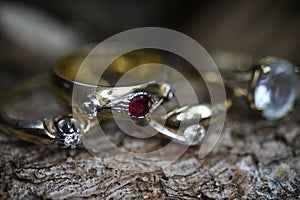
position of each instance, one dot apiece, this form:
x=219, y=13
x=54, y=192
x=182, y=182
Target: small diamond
x=194, y=134
x=69, y=131
x=170, y=95
x=91, y=106
x=275, y=91
x=72, y=140
x=139, y=106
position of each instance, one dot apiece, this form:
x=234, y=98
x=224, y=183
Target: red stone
x=140, y=106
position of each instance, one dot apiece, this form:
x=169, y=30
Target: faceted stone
x=276, y=90
x=72, y=140
x=91, y=106
x=194, y=134
x=139, y=106
x=69, y=131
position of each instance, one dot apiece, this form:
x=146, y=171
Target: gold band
x=45, y=129
x=195, y=118
x=50, y=128
x=103, y=95
x=186, y=124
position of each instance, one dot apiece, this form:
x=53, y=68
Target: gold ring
x=186, y=124
x=98, y=98
x=59, y=127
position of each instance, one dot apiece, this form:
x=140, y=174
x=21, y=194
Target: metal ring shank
x=28, y=130
x=31, y=131
x=64, y=74
x=63, y=81
x=43, y=130
x=65, y=71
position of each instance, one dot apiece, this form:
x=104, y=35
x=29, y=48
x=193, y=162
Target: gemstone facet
x=69, y=131
x=91, y=106
x=275, y=90
x=140, y=105
x=194, y=134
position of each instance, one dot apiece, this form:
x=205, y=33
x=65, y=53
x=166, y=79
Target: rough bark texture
x=254, y=159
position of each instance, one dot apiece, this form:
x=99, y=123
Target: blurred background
x=34, y=33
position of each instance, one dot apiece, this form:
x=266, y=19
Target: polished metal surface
x=186, y=124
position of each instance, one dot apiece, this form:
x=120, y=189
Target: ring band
x=97, y=97
x=269, y=85
x=198, y=116
x=69, y=129
x=63, y=128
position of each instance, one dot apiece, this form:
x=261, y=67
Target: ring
x=137, y=101
x=69, y=129
x=186, y=124
x=270, y=85
x=61, y=128
x=195, y=120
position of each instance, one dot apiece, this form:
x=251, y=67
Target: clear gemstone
x=275, y=91
x=194, y=134
x=91, y=106
x=72, y=140
x=69, y=131
x=170, y=95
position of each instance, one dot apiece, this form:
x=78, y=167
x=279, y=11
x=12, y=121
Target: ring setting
x=68, y=130
x=269, y=86
x=273, y=87
x=136, y=101
x=140, y=105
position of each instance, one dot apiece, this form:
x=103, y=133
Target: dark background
x=34, y=33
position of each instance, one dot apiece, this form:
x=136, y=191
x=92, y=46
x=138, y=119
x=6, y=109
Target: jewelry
x=185, y=125
x=68, y=129
x=137, y=101
x=60, y=128
x=198, y=118
x=272, y=82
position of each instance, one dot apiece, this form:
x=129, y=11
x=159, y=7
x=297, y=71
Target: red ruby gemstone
x=140, y=106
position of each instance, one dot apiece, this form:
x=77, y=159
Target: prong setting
x=68, y=130
x=273, y=88
x=140, y=105
x=91, y=106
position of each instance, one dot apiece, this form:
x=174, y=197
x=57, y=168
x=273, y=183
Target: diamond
x=91, y=106
x=194, y=134
x=69, y=131
x=275, y=91
x=140, y=105
x=170, y=95
x=72, y=140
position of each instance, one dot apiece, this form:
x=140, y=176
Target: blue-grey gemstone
x=276, y=90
